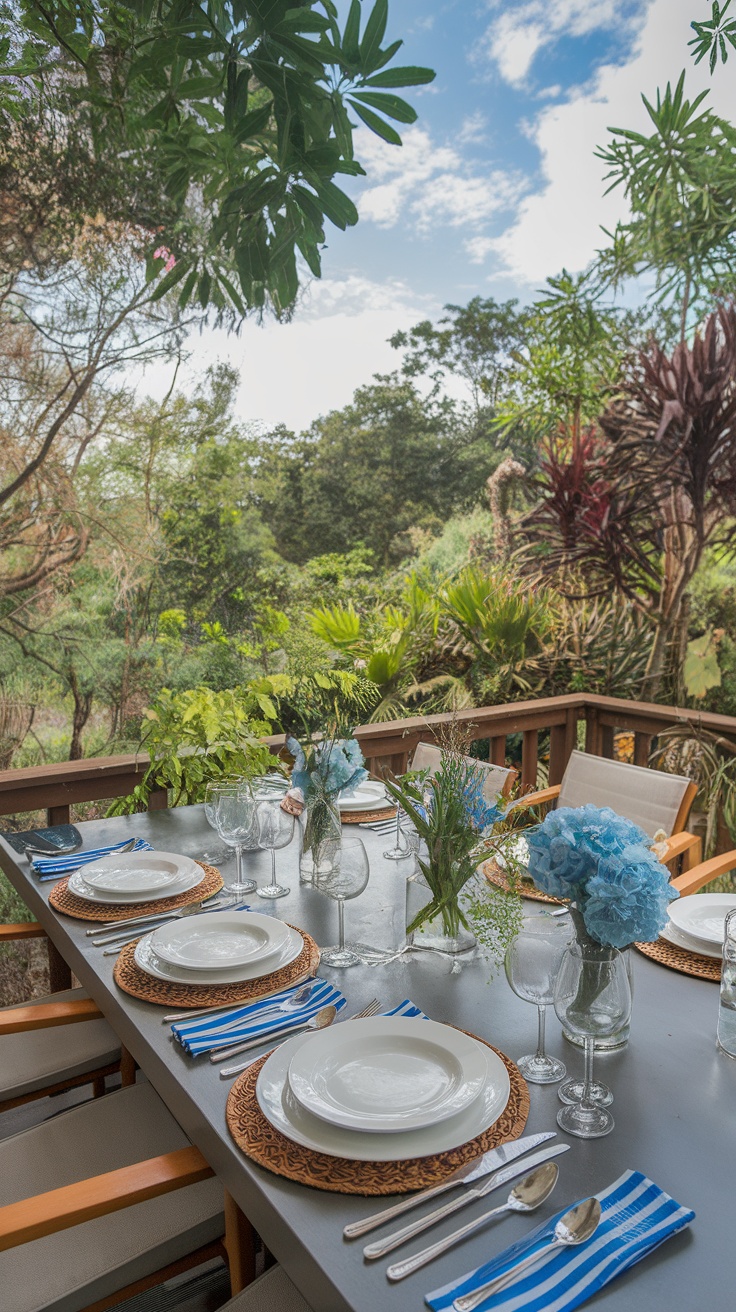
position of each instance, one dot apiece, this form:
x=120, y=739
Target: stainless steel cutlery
x=371, y=1009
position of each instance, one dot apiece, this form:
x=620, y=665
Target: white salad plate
x=138, y=877
x=365, y=797
x=219, y=940
x=703, y=917
x=390, y=1074
x=672, y=934
x=282, y=1110
x=146, y=958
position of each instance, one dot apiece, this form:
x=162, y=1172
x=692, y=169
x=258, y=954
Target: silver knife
x=399, y=1237
x=473, y=1170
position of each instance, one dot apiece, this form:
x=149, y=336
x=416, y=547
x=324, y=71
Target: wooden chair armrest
x=537, y=799
x=16, y=1020
x=689, y=845
x=692, y=880
x=24, y=929
x=59, y=1209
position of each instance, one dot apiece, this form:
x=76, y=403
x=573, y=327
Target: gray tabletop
x=675, y=1095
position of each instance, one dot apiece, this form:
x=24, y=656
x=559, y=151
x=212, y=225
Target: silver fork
x=371, y=1009
x=293, y=1003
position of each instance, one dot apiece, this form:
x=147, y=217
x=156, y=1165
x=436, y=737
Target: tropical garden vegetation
x=538, y=499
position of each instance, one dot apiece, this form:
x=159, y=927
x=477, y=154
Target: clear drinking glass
x=593, y=999
x=347, y=878
x=399, y=849
x=235, y=816
x=726, y=1040
x=532, y=963
x=217, y=854
x=275, y=830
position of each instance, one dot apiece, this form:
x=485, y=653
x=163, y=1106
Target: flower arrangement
x=326, y=767
x=606, y=868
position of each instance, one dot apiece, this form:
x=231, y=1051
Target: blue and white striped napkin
x=50, y=867
x=261, y=1018
x=637, y=1217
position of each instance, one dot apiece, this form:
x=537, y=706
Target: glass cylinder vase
x=445, y=932
x=609, y=1042
x=320, y=830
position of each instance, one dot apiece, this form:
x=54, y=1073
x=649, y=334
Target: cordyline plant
x=639, y=505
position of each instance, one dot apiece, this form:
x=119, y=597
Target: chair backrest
x=651, y=799
x=497, y=779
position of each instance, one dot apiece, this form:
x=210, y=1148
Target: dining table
x=674, y=1092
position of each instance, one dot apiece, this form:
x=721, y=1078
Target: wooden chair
x=271, y=1292
x=142, y=1201
x=498, y=780
x=37, y=1058
x=690, y=881
x=650, y=798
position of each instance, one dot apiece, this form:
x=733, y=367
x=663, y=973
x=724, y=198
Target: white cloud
x=514, y=39
x=560, y=224
x=430, y=185
x=293, y=372
x=472, y=128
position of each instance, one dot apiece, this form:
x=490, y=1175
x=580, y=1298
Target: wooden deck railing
x=387, y=748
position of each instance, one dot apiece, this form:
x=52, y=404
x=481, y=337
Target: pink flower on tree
x=163, y=253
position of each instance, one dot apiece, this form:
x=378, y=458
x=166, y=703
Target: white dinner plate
x=388, y=1075
x=702, y=916
x=672, y=934
x=152, y=965
x=366, y=797
x=190, y=875
x=133, y=874
x=518, y=849
x=220, y=940
x=282, y=1110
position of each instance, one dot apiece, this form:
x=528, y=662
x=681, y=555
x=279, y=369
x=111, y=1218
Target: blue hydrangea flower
x=327, y=767
x=627, y=899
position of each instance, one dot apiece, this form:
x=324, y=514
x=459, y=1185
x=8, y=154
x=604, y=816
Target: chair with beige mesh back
x=497, y=779
x=650, y=798
x=46, y=1059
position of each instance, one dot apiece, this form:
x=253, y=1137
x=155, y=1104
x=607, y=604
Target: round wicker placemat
x=258, y=1139
x=70, y=905
x=131, y=979
x=367, y=817
x=688, y=963
x=495, y=875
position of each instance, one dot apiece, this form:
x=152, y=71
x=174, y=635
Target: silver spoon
x=574, y=1227
x=320, y=1021
x=526, y=1196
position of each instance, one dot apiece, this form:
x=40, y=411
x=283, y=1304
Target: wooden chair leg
x=240, y=1246
x=692, y=856
x=127, y=1068
x=60, y=975
x=98, y=1087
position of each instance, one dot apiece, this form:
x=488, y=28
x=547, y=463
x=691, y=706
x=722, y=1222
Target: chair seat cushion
x=67, y=1271
x=271, y=1292
x=40, y=1058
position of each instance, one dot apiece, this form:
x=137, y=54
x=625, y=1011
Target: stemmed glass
x=275, y=830
x=235, y=815
x=592, y=999
x=347, y=878
x=399, y=850
x=532, y=963
x=210, y=808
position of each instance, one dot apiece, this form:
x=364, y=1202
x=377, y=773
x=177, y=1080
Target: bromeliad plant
x=460, y=829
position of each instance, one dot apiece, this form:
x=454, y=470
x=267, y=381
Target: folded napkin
x=637, y=1217
x=50, y=867
x=254, y=1020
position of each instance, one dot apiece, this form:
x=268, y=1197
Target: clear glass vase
x=443, y=933
x=320, y=831
x=611, y=1042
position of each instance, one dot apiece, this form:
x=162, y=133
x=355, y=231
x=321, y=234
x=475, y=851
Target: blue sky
x=495, y=188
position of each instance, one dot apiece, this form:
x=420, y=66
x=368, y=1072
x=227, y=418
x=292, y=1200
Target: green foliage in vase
x=198, y=736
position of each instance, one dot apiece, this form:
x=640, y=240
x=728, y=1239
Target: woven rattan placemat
x=62, y=900
x=258, y=1139
x=367, y=817
x=495, y=875
x=688, y=963
x=135, y=981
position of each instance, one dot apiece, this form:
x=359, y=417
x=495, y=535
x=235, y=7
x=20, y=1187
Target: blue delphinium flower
x=604, y=864
x=627, y=899
x=483, y=815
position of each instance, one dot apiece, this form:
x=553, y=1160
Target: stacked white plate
x=366, y=797
x=218, y=947
x=697, y=923
x=383, y=1089
x=136, y=877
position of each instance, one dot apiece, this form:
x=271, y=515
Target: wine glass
x=532, y=963
x=399, y=849
x=218, y=854
x=347, y=878
x=275, y=830
x=235, y=815
x=592, y=999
